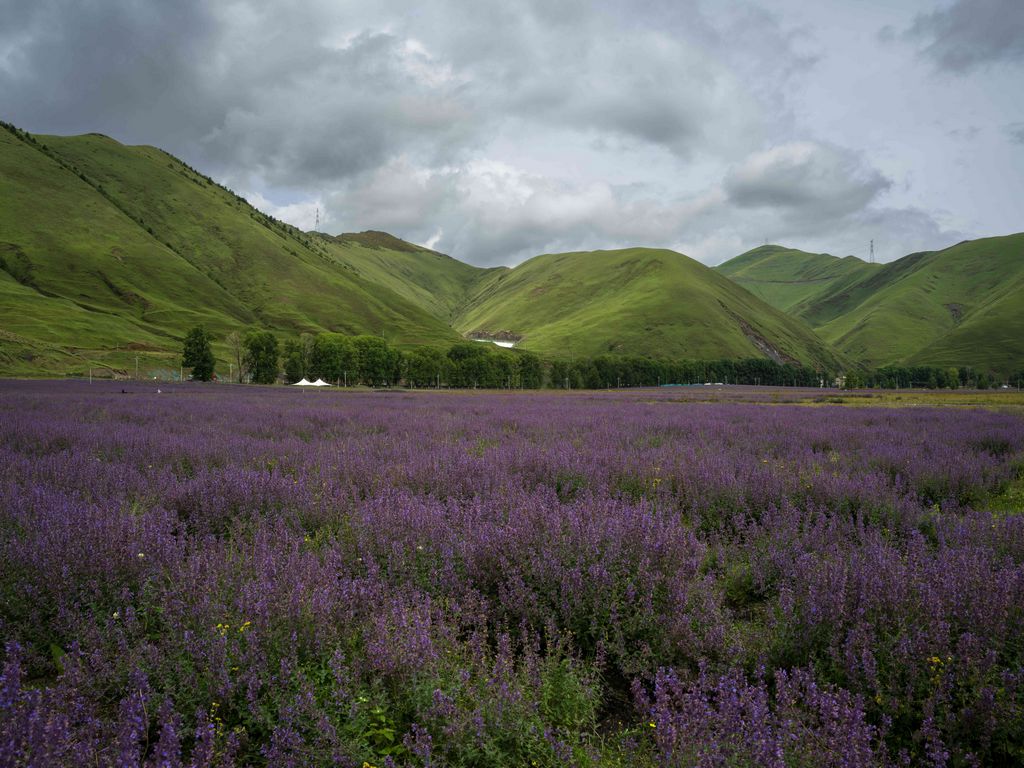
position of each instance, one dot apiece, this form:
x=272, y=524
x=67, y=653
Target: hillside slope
x=109, y=251
x=433, y=281
x=958, y=306
x=635, y=301
x=787, y=277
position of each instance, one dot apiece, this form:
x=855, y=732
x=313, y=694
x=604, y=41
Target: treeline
x=929, y=377
x=370, y=361
x=607, y=371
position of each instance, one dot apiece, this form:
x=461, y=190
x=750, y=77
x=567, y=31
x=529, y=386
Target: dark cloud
x=247, y=88
x=130, y=70
x=972, y=33
x=493, y=131
x=805, y=179
x=348, y=110
x=256, y=77
x=968, y=133
x=1016, y=132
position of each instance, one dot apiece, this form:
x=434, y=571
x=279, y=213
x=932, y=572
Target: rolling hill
x=958, y=306
x=109, y=252
x=636, y=301
x=787, y=277
x=437, y=283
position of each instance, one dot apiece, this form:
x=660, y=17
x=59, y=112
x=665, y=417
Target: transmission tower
x=872, y=251
x=317, y=227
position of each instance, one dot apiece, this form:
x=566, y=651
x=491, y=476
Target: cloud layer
x=496, y=132
x=972, y=33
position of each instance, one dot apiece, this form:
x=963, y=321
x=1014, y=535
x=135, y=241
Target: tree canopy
x=198, y=355
x=261, y=357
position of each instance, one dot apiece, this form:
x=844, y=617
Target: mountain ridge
x=108, y=252
x=952, y=307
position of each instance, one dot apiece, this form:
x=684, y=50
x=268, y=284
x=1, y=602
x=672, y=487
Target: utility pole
x=136, y=366
x=231, y=371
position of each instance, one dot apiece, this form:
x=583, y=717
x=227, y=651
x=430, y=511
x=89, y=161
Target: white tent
x=303, y=382
x=319, y=383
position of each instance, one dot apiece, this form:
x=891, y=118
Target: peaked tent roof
x=303, y=382
x=320, y=383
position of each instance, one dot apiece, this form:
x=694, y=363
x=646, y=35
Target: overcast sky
x=494, y=131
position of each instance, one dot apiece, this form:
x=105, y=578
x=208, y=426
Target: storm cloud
x=972, y=33
x=815, y=179
x=498, y=131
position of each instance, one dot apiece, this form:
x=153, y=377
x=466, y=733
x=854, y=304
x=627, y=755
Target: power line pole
x=872, y=251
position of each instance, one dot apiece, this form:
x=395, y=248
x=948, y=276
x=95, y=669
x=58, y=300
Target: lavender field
x=218, y=575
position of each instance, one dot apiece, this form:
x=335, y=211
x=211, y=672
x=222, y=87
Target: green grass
x=959, y=306
x=786, y=277
x=107, y=248
x=433, y=281
x=635, y=301
x=110, y=253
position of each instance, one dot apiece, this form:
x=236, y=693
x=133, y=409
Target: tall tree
x=198, y=355
x=234, y=341
x=333, y=358
x=426, y=367
x=261, y=356
x=374, y=359
x=298, y=358
x=294, y=364
x=531, y=372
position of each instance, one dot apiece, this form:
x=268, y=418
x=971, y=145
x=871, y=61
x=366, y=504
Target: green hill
x=433, y=281
x=112, y=252
x=958, y=306
x=108, y=252
x=787, y=277
x=635, y=301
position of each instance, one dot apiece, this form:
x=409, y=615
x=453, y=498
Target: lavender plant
x=226, y=576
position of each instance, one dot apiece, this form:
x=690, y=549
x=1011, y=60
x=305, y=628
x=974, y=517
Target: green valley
x=110, y=253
